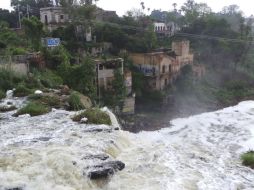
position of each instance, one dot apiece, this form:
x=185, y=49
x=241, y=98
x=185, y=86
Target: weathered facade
x=198, y=71
x=18, y=63
x=53, y=17
x=105, y=76
x=105, y=15
x=161, y=68
x=165, y=29
x=105, y=71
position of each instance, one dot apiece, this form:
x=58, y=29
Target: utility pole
x=27, y=10
x=19, y=17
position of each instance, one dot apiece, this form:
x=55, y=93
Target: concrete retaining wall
x=19, y=68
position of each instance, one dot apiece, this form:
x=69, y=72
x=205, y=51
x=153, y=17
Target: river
x=198, y=152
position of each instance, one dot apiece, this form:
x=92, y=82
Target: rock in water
x=83, y=120
x=15, y=188
x=38, y=92
x=106, y=169
x=100, y=174
x=97, y=156
x=65, y=90
x=9, y=93
x=86, y=101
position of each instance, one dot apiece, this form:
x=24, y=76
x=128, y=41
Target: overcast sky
x=121, y=6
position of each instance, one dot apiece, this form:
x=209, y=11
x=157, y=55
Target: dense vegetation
x=33, y=109
x=248, y=159
x=93, y=116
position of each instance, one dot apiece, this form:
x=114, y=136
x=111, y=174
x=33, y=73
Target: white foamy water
x=199, y=152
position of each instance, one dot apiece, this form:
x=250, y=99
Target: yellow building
x=161, y=68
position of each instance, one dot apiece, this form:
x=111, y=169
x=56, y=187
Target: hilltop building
x=53, y=17
x=161, y=68
x=165, y=29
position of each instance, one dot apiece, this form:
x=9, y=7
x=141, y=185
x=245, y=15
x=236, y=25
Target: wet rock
x=98, y=156
x=44, y=139
x=84, y=120
x=14, y=188
x=98, y=130
x=100, y=174
x=65, y=90
x=9, y=103
x=7, y=108
x=106, y=169
x=38, y=92
x=74, y=163
x=86, y=101
x=9, y=93
x=117, y=128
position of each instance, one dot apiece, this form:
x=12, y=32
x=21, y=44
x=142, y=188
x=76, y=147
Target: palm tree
x=174, y=5
x=142, y=5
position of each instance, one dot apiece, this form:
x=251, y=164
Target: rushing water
x=199, y=152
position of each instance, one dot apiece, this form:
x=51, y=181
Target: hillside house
x=53, y=17
x=165, y=29
x=162, y=68
x=105, y=72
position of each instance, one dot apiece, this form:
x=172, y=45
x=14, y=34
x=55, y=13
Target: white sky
x=121, y=6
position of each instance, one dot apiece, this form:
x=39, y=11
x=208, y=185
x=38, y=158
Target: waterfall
x=200, y=152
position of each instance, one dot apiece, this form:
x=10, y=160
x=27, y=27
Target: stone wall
x=19, y=68
x=129, y=106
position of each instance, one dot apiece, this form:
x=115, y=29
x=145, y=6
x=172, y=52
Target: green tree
x=150, y=38
x=118, y=85
x=115, y=96
x=80, y=77
x=56, y=56
x=31, y=7
x=193, y=10
x=9, y=17
x=33, y=31
x=8, y=39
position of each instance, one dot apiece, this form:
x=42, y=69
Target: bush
x=21, y=91
x=8, y=79
x=33, y=82
x=248, y=159
x=18, y=51
x=48, y=78
x=47, y=100
x=94, y=116
x=55, y=57
x=2, y=94
x=79, y=77
x=33, y=108
x=75, y=102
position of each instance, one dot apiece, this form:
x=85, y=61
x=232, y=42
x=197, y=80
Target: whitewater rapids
x=199, y=152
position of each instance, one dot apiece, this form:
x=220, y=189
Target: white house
x=167, y=29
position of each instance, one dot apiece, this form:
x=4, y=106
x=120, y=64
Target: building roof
x=52, y=9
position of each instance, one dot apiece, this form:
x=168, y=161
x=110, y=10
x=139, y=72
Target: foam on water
x=199, y=152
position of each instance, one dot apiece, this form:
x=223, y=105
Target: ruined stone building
x=105, y=75
x=53, y=17
x=161, y=68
